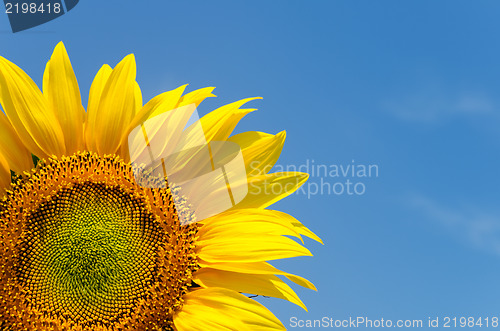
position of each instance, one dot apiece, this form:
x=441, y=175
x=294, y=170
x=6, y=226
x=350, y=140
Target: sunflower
x=84, y=247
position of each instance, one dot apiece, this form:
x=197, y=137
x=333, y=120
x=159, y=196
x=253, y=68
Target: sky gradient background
x=411, y=86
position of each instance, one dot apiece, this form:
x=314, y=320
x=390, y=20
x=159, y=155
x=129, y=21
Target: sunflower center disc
x=85, y=248
x=91, y=252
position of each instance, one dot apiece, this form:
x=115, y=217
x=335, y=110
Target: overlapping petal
x=63, y=94
x=95, y=93
x=246, y=221
x=196, y=96
x=4, y=175
x=219, y=123
x=299, y=227
x=12, y=148
x=222, y=309
x=29, y=113
x=249, y=248
x=112, y=106
x=260, y=150
x=259, y=284
x=264, y=190
x=260, y=268
x=159, y=104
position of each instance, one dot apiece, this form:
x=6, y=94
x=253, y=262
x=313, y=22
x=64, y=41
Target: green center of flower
x=91, y=252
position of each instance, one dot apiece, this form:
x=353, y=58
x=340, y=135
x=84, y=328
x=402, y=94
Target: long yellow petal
x=118, y=105
x=249, y=248
x=219, y=123
x=260, y=150
x=165, y=102
x=123, y=152
x=196, y=96
x=29, y=113
x=200, y=318
x=255, y=220
x=159, y=104
x=222, y=309
x=262, y=268
x=45, y=81
x=115, y=108
x=265, y=190
x=299, y=227
x=12, y=148
x=4, y=175
x=63, y=94
x=247, y=221
x=137, y=98
x=268, y=285
x=95, y=94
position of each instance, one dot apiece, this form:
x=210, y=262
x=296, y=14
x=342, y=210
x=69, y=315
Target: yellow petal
x=247, y=221
x=159, y=104
x=115, y=109
x=260, y=150
x=263, y=268
x=95, y=93
x=12, y=148
x=300, y=228
x=63, y=94
x=199, y=318
x=249, y=248
x=222, y=309
x=45, y=82
x=4, y=175
x=265, y=190
x=165, y=102
x=219, y=123
x=29, y=113
x=123, y=151
x=137, y=98
x=267, y=285
x=162, y=103
x=196, y=96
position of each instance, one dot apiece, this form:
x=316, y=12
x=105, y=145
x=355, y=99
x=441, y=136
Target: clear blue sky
x=410, y=86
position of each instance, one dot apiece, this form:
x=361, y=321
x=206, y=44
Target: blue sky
x=411, y=87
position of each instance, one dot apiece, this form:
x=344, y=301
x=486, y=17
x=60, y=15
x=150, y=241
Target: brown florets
x=83, y=247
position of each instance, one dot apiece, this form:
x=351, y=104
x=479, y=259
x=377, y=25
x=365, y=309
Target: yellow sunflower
x=84, y=247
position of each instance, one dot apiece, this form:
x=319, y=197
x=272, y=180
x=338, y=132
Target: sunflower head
x=89, y=242
x=90, y=247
